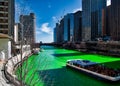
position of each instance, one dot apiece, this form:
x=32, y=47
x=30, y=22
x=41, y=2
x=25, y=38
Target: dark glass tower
x=115, y=20
x=92, y=19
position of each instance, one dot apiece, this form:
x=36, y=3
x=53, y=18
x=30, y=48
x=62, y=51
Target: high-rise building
x=69, y=27
x=115, y=20
x=28, y=27
x=7, y=10
x=78, y=26
x=17, y=33
x=61, y=30
x=55, y=37
x=106, y=21
x=58, y=32
x=92, y=19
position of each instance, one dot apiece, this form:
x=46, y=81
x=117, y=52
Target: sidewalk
x=10, y=65
x=2, y=77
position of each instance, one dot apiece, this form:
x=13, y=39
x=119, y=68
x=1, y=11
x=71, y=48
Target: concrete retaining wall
x=10, y=66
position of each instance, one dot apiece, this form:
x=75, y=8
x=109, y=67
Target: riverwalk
x=7, y=70
x=52, y=71
x=3, y=80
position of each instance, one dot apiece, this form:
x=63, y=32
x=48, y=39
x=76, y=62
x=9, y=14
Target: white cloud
x=38, y=31
x=108, y=2
x=21, y=8
x=78, y=9
x=45, y=39
x=54, y=19
x=45, y=28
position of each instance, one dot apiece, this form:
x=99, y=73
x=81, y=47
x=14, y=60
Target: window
x=3, y=9
x=4, y=3
x=3, y=14
x=3, y=26
x=3, y=20
x=4, y=31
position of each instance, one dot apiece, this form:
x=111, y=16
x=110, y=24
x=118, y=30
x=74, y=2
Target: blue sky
x=47, y=12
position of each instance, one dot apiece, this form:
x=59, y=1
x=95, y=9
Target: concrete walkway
x=3, y=80
x=10, y=66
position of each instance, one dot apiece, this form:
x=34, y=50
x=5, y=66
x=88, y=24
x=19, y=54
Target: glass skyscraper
x=69, y=27
x=115, y=20
x=92, y=18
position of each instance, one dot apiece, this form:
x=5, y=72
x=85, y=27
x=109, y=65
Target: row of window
x=3, y=9
x=3, y=26
x=3, y=14
x=4, y=31
x=4, y=3
x=3, y=20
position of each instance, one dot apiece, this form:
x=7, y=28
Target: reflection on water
x=52, y=69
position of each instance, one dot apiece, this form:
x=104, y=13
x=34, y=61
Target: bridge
x=37, y=45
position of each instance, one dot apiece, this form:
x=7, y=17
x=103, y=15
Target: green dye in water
x=49, y=68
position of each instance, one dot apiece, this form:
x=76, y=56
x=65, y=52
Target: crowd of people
x=102, y=69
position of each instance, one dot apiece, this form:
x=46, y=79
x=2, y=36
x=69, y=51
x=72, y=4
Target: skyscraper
x=55, y=37
x=115, y=20
x=92, y=18
x=106, y=21
x=78, y=26
x=7, y=10
x=58, y=32
x=28, y=26
x=69, y=27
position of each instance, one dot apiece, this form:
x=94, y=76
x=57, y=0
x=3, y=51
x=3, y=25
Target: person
x=2, y=56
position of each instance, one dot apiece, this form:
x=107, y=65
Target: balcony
x=3, y=9
x=4, y=31
x=3, y=20
x=5, y=3
x=3, y=15
x=3, y=26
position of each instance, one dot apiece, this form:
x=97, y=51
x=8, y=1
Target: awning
x=4, y=36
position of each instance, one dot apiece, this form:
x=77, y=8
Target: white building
x=5, y=47
x=17, y=33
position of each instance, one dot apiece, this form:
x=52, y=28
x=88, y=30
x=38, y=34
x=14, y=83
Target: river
x=49, y=68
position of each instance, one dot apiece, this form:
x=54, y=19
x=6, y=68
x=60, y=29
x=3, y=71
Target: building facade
x=78, y=26
x=58, y=32
x=17, y=33
x=106, y=22
x=69, y=27
x=115, y=20
x=28, y=27
x=61, y=31
x=5, y=47
x=54, y=36
x=92, y=19
x=7, y=10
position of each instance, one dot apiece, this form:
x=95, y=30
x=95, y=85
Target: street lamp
x=21, y=51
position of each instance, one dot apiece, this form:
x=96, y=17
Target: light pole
x=21, y=51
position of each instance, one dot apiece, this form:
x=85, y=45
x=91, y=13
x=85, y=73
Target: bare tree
x=26, y=66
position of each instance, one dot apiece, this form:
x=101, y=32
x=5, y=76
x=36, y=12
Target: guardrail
x=9, y=69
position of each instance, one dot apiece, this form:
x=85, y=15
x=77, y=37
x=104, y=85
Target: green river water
x=49, y=68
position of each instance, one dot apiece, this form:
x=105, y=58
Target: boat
x=35, y=51
x=41, y=50
x=91, y=68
